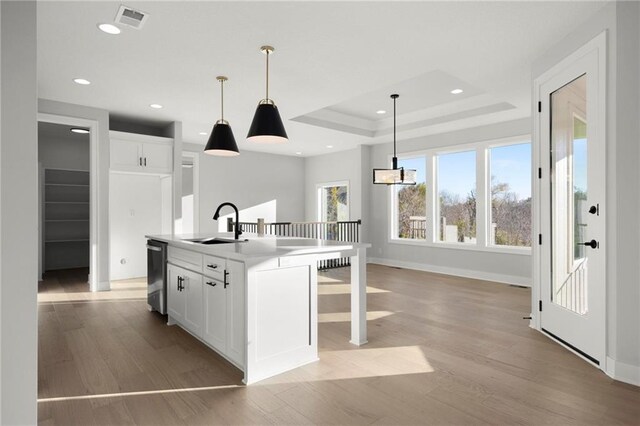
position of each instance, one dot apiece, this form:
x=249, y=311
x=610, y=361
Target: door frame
x=540, y=162
x=94, y=192
x=195, y=156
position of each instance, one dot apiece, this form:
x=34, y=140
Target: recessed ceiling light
x=155, y=106
x=329, y=146
x=81, y=81
x=79, y=130
x=109, y=29
x=457, y=91
x=381, y=111
x=203, y=133
x=298, y=153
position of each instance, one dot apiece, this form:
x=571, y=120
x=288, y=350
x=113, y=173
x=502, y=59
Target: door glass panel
x=569, y=202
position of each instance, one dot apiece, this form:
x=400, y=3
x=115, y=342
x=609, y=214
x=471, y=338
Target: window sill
x=523, y=251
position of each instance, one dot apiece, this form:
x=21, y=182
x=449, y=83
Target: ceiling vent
x=131, y=17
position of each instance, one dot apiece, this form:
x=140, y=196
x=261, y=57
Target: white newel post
x=359, y=297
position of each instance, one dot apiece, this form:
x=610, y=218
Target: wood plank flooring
x=442, y=351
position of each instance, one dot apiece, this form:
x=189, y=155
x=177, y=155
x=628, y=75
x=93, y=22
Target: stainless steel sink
x=209, y=241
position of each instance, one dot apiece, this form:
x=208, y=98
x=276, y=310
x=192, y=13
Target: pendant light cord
x=267, y=53
x=222, y=100
x=394, y=126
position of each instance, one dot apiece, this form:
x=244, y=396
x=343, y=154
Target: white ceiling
x=331, y=64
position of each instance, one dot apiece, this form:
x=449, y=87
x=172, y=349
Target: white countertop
x=266, y=246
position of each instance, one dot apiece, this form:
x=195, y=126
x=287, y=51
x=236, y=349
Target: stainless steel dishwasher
x=157, y=276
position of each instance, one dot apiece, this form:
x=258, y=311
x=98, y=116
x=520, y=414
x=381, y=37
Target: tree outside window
x=412, y=202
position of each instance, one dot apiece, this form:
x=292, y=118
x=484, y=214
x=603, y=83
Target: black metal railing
x=348, y=231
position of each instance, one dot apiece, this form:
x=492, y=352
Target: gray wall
x=63, y=153
x=514, y=268
x=18, y=214
x=248, y=180
x=620, y=20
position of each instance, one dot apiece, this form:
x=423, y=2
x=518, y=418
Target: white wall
x=102, y=185
x=135, y=210
x=620, y=20
x=249, y=180
x=18, y=214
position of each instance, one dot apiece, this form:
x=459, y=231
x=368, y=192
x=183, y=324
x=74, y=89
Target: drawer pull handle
x=211, y=283
x=212, y=266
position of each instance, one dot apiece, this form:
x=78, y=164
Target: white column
x=359, y=297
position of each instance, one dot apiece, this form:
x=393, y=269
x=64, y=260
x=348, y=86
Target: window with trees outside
x=458, y=203
x=457, y=197
x=510, y=184
x=411, y=202
x=333, y=202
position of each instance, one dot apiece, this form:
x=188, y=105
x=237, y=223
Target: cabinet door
x=235, y=312
x=193, y=296
x=214, y=330
x=157, y=157
x=125, y=155
x=175, y=298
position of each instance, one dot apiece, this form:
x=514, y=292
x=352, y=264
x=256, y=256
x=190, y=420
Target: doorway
x=571, y=279
x=64, y=195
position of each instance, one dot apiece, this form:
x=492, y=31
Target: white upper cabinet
x=141, y=153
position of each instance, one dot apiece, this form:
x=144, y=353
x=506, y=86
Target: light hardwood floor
x=442, y=350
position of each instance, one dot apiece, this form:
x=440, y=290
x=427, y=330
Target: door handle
x=226, y=274
x=145, y=161
x=140, y=158
x=153, y=248
x=595, y=209
x=593, y=244
x=180, y=283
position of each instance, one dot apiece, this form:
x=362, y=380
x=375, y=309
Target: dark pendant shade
x=267, y=126
x=221, y=142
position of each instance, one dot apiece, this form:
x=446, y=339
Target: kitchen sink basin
x=209, y=241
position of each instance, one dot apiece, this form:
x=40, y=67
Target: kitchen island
x=255, y=302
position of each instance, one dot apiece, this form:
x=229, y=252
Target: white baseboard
x=466, y=273
x=102, y=286
x=622, y=372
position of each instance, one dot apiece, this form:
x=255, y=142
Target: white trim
x=522, y=251
x=95, y=209
x=465, y=273
x=195, y=156
x=623, y=372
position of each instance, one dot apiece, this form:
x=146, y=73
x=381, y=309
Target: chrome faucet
x=237, y=230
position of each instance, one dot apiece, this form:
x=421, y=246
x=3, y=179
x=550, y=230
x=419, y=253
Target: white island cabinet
x=255, y=302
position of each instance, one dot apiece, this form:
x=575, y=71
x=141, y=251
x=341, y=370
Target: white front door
x=572, y=192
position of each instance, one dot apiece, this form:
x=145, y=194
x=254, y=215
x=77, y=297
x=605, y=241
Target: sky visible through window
x=512, y=164
x=457, y=173
x=417, y=163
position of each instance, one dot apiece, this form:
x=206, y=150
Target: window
x=510, y=188
x=477, y=197
x=333, y=202
x=457, y=197
x=411, y=202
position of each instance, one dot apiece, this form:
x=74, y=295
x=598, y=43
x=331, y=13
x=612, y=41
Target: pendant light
x=267, y=126
x=221, y=142
x=394, y=176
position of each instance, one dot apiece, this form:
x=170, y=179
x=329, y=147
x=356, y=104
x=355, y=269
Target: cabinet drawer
x=214, y=267
x=185, y=258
